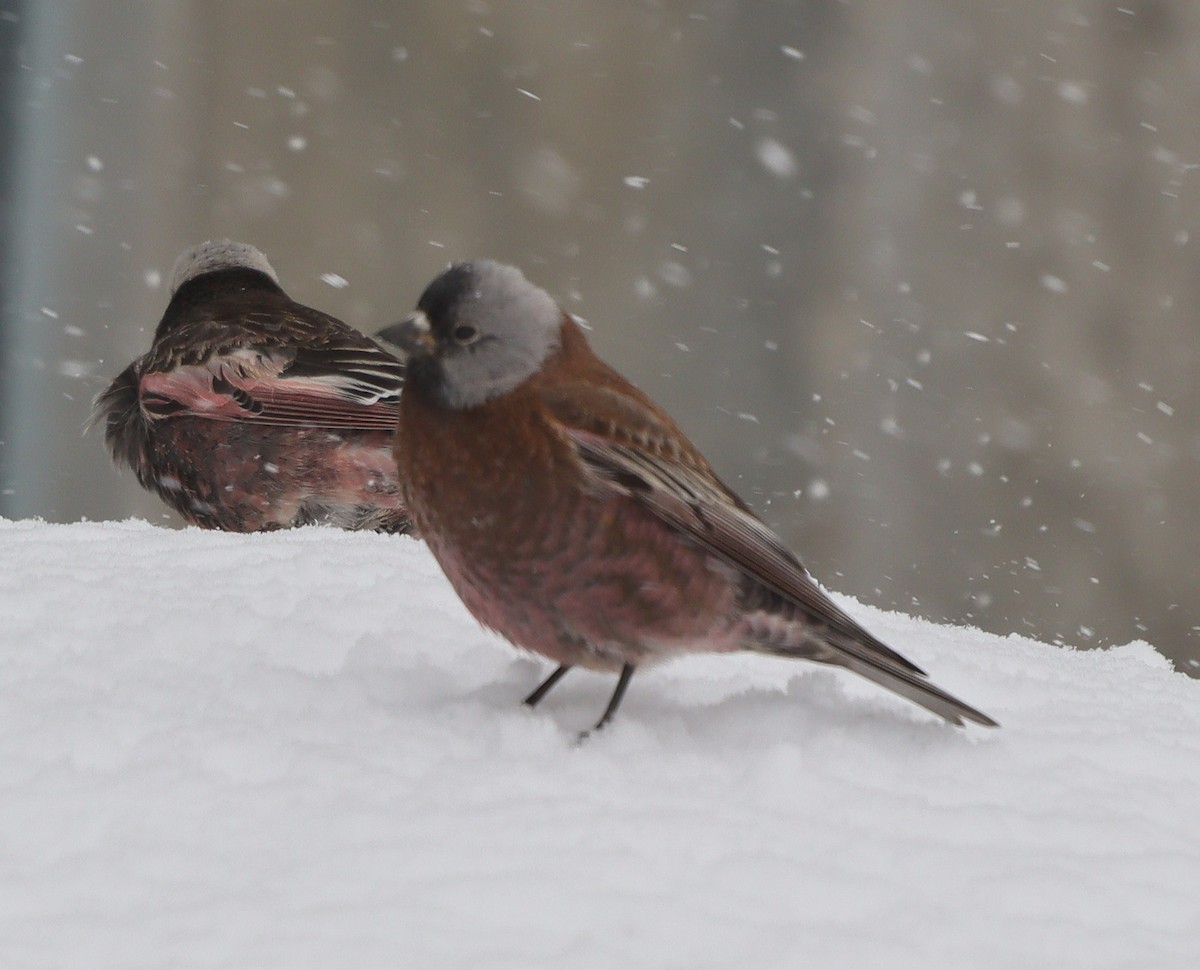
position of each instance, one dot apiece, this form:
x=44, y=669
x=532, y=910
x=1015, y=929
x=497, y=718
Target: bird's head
x=480, y=330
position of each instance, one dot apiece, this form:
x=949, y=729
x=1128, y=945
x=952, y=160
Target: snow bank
x=297, y=750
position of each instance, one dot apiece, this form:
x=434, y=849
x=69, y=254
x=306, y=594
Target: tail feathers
x=881, y=669
x=117, y=408
x=920, y=691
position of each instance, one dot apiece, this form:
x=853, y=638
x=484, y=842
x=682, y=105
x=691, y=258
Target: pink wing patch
x=252, y=386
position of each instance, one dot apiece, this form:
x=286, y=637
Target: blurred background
x=919, y=276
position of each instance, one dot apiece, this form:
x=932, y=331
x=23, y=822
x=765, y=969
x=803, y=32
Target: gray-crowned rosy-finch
x=573, y=517
x=252, y=411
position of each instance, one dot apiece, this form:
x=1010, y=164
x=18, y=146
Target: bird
x=252, y=412
x=573, y=516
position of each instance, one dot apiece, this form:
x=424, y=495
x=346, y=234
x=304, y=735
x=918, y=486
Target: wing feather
x=643, y=456
x=349, y=387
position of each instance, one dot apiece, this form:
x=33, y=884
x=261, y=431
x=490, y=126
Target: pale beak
x=413, y=335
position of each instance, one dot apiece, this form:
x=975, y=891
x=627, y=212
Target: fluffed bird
x=574, y=517
x=251, y=411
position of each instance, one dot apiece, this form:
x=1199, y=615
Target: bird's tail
x=865, y=660
x=918, y=689
x=118, y=410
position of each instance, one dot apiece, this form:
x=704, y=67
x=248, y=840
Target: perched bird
x=572, y=515
x=252, y=411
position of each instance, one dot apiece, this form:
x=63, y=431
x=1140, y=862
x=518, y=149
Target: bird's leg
x=614, y=702
x=543, y=688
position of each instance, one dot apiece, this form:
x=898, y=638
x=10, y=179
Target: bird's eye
x=465, y=334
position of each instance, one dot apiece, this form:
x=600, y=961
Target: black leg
x=615, y=702
x=544, y=687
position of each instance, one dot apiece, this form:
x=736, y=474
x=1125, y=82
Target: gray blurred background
x=920, y=276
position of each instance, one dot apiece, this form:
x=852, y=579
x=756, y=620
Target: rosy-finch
x=252, y=411
x=572, y=515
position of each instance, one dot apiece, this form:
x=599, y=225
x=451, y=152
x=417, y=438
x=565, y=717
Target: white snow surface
x=298, y=750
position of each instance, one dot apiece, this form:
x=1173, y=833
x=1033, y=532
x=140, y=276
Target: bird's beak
x=413, y=335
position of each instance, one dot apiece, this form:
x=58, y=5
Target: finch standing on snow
x=573, y=517
x=251, y=411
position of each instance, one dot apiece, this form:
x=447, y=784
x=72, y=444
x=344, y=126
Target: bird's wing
x=337, y=378
x=630, y=448
x=637, y=453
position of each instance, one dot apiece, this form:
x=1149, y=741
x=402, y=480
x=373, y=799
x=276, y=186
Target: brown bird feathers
x=575, y=518
x=251, y=411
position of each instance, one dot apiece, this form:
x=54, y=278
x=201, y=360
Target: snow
x=297, y=750
x=776, y=157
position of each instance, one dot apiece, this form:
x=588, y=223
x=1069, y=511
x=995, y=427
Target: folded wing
x=644, y=462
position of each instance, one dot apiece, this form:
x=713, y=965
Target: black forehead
x=444, y=297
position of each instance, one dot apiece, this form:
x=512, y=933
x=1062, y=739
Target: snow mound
x=298, y=750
